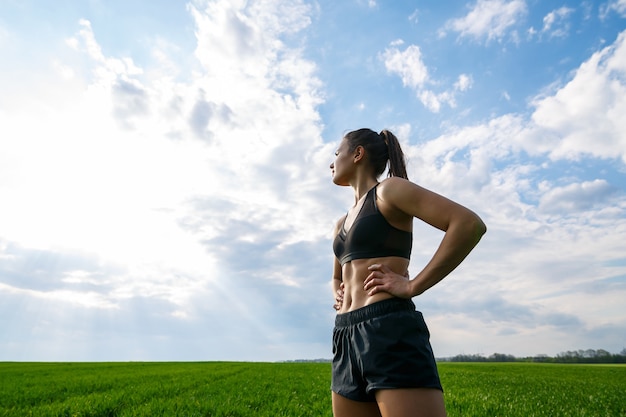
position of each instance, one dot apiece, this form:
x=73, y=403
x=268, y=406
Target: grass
x=164, y=389
x=526, y=389
x=294, y=389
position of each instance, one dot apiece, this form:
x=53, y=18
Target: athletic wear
x=382, y=346
x=371, y=236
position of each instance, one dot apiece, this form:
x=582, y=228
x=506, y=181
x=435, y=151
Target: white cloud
x=88, y=299
x=196, y=184
x=369, y=3
x=557, y=18
x=584, y=117
x=576, y=197
x=464, y=82
x=617, y=6
x=490, y=19
x=64, y=71
x=555, y=24
x=408, y=64
x=461, y=161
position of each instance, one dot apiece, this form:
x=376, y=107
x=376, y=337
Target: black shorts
x=382, y=346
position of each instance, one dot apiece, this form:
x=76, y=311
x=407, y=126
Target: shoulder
x=393, y=197
x=407, y=197
x=393, y=189
x=393, y=182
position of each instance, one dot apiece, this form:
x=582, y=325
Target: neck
x=362, y=186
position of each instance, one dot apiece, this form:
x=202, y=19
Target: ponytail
x=380, y=148
x=397, y=163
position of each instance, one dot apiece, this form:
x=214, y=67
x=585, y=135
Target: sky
x=165, y=191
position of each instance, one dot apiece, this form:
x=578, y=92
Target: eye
x=336, y=153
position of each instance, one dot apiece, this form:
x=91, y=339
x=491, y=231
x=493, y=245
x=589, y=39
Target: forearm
x=460, y=238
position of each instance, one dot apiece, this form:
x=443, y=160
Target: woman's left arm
x=463, y=230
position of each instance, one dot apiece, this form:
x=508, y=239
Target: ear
x=359, y=153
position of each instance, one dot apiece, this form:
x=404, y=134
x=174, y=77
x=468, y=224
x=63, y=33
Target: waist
x=355, y=273
x=380, y=308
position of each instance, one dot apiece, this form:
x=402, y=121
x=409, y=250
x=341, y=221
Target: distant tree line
x=571, y=356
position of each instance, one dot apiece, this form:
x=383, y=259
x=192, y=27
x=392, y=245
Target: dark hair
x=379, y=148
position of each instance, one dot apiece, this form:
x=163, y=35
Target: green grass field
x=294, y=389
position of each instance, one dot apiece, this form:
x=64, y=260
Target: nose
x=332, y=165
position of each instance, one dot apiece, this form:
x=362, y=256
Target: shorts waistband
x=390, y=305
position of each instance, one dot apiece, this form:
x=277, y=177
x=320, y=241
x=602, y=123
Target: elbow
x=469, y=227
x=472, y=227
x=478, y=227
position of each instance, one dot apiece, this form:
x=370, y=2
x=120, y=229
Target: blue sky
x=164, y=182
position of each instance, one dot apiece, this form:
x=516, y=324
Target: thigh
x=411, y=402
x=344, y=407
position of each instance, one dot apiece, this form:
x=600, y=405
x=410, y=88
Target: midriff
x=354, y=274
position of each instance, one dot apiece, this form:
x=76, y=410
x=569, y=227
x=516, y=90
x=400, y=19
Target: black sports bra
x=371, y=236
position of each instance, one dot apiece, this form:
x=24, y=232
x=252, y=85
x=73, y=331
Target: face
x=342, y=166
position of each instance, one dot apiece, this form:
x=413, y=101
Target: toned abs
x=354, y=274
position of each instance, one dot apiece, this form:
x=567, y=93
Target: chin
x=337, y=181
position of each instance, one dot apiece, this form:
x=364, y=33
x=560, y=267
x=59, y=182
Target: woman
x=383, y=364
